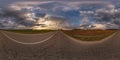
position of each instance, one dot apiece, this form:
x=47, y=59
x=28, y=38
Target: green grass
x=29, y=31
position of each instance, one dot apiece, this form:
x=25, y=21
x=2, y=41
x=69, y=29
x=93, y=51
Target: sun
x=45, y=24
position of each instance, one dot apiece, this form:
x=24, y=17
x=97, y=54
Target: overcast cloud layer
x=59, y=14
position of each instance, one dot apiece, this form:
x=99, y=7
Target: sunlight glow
x=45, y=24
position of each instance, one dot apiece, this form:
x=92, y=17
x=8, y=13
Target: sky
x=55, y=14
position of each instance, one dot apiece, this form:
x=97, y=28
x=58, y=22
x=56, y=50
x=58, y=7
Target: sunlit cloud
x=100, y=26
x=50, y=22
x=60, y=15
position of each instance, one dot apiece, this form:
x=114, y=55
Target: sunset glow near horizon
x=63, y=14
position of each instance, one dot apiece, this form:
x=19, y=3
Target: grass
x=89, y=35
x=30, y=31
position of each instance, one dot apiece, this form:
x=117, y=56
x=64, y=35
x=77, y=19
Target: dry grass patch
x=30, y=31
x=89, y=35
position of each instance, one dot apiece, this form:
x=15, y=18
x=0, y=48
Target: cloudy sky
x=54, y=14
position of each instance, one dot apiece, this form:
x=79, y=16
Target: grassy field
x=30, y=31
x=89, y=35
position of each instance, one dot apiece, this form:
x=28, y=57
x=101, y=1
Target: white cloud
x=109, y=9
x=112, y=26
x=100, y=26
x=85, y=21
x=55, y=14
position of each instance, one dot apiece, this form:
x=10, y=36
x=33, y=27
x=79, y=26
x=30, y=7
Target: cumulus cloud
x=59, y=15
x=28, y=15
x=52, y=22
x=19, y=17
x=99, y=26
x=109, y=16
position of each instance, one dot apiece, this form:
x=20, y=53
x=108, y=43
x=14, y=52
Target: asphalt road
x=28, y=38
x=58, y=47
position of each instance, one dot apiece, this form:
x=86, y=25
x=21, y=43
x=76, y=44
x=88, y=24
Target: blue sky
x=32, y=14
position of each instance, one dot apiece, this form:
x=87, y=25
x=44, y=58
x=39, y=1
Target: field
x=89, y=35
x=30, y=31
x=60, y=48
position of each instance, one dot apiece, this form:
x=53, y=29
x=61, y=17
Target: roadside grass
x=89, y=35
x=29, y=31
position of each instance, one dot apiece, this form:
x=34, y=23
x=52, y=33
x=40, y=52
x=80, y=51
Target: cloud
x=105, y=26
x=109, y=15
x=85, y=21
x=9, y=23
x=59, y=14
x=100, y=26
x=52, y=22
x=11, y=18
x=30, y=14
x=16, y=17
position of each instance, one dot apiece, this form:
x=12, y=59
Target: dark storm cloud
x=13, y=18
x=8, y=13
x=8, y=17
